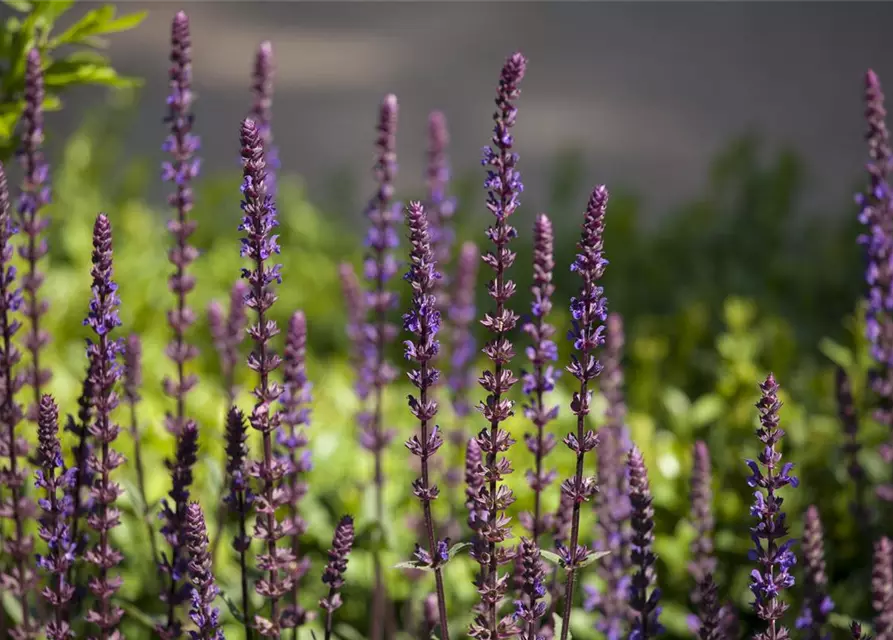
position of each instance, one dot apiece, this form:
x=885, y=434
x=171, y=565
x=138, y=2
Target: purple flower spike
x=333, y=574
x=35, y=195
x=710, y=626
x=56, y=482
x=882, y=588
x=103, y=353
x=423, y=322
x=503, y=186
x=644, y=594
x=18, y=579
x=204, y=615
x=703, y=559
x=228, y=332
x=292, y=437
x=849, y=420
x=774, y=557
x=532, y=607
x=239, y=499
x=355, y=305
x=818, y=604
x=262, y=110
x=541, y=379
x=462, y=316
x=856, y=632
x=588, y=311
x=440, y=206
x=259, y=245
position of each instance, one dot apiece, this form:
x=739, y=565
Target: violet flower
x=376, y=372
x=856, y=632
x=462, y=315
x=849, y=419
x=259, y=245
x=818, y=604
x=133, y=380
x=292, y=437
x=882, y=588
x=262, y=109
x=228, y=332
x=103, y=353
x=239, y=499
x=532, y=607
x=710, y=626
x=56, y=482
x=423, y=322
x=774, y=557
x=541, y=379
x=355, y=306
x=588, y=311
x=644, y=593
x=439, y=206
x=18, y=579
x=703, y=560
x=333, y=574
x=203, y=614
x=35, y=195
x=876, y=213
x=474, y=482
x=504, y=186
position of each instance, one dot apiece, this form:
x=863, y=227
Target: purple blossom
x=292, y=437
x=35, y=195
x=709, y=624
x=103, y=353
x=818, y=604
x=882, y=588
x=703, y=560
x=262, y=109
x=462, y=316
x=530, y=609
x=228, y=332
x=774, y=557
x=17, y=578
x=355, y=305
x=439, y=206
x=644, y=595
x=423, y=322
x=56, y=482
x=239, y=499
x=504, y=185
x=203, y=613
x=333, y=574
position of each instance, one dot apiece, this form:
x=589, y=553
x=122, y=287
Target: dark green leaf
x=413, y=564
x=233, y=608
x=124, y=23
x=50, y=10
x=592, y=558
x=550, y=556
x=558, y=625
x=89, y=25
x=134, y=613
x=456, y=548
x=12, y=606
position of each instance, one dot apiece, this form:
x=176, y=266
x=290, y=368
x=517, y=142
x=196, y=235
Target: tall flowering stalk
x=849, y=420
x=204, y=614
x=423, y=322
x=292, y=437
x=180, y=170
x=355, y=306
x=258, y=246
x=504, y=186
x=133, y=380
x=588, y=310
x=103, y=353
x=376, y=372
x=462, y=343
x=818, y=604
x=239, y=499
x=18, y=578
x=774, y=557
x=541, y=379
x=703, y=560
x=262, y=109
x=439, y=206
x=34, y=197
x=709, y=624
x=644, y=593
x=228, y=332
x=55, y=480
x=882, y=588
x=333, y=574
x=876, y=214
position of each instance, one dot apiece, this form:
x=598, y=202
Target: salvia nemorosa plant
x=180, y=170
x=204, y=615
x=709, y=625
x=703, y=562
x=531, y=608
x=376, y=373
x=54, y=479
x=17, y=577
x=292, y=437
x=772, y=552
x=644, y=595
x=228, y=332
x=262, y=108
x=439, y=205
x=882, y=588
x=462, y=343
x=423, y=323
x=589, y=311
x=259, y=246
x=333, y=574
x=817, y=603
x=504, y=187
x=103, y=352
x=612, y=509
x=849, y=420
x=35, y=195
x=876, y=214
x=239, y=498
x=540, y=380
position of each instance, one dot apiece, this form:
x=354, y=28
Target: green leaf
x=706, y=409
x=348, y=632
x=558, y=625
x=551, y=556
x=134, y=613
x=456, y=548
x=413, y=564
x=233, y=608
x=50, y=10
x=836, y=353
x=22, y=6
x=597, y=555
x=124, y=23
x=12, y=606
x=89, y=25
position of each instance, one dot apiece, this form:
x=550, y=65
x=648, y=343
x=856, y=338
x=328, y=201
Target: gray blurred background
x=649, y=92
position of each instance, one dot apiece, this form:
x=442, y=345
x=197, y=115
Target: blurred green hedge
x=723, y=291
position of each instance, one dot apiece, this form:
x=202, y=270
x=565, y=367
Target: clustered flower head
x=262, y=109
x=541, y=379
x=504, y=186
x=203, y=613
x=228, y=332
x=530, y=609
x=644, y=596
x=463, y=347
x=439, y=206
x=882, y=588
x=818, y=604
x=35, y=195
x=771, y=552
x=333, y=574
